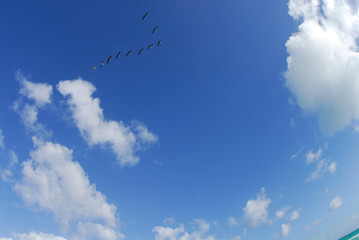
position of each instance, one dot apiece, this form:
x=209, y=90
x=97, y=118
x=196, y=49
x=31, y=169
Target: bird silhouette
x=101, y=64
x=109, y=59
x=140, y=51
x=118, y=54
x=149, y=46
x=144, y=16
x=128, y=53
x=153, y=31
x=93, y=68
x=159, y=42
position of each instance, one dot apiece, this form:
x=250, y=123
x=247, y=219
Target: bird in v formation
x=128, y=53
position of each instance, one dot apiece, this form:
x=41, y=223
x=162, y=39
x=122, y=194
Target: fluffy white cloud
x=294, y=215
x=335, y=203
x=95, y=129
x=1, y=139
x=236, y=238
x=163, y=233
x=285, y=230
x=53, y=182
x=232, y=221
x=37, y=236
x=315, y=223
x=256, y=210
x=179, y=233
x=39, y=92
x=323, y=61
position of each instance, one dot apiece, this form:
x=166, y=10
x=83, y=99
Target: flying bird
x=101, y=64
x=93, y=68
x=159, y=42
x=153, y=31
x=118, y=54
x=149, y=46
x=128, y=53
x=140, y=51
x=108, y=60
x=144, y=16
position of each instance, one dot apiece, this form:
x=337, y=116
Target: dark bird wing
x=118, y=54
x=93, y=68
x=140, y=51
x=159, y=42
x=144, y=16
x=153, y=31
x=101, y=64
x=149, y=46
x=128, y=53
x=108, y=60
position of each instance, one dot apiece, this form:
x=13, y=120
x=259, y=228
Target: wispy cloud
x=323, y=165
x=335, y=203
x=1, y=139
x=315, y=223
x=232, y=222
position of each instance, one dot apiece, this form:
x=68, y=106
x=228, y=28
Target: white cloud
x=294, y=215
x=236, y=238
x=335, y=203
x=232, y=221
x=282, y=212
x=90, y=230
x=169, y=220
x=39, y=92
x=285, y=230
x=53, y=182
x=295, y=155
x=312, y=156
x=179, y=233
x=256, y=210
x=315, y=223
x=322, y=165
x=37, y=236
x=163, y=233
x=95, y=129
x=323, y=62
x=356, y=129
x=1, y=139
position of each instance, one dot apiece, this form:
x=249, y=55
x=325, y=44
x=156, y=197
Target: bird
x=128, y=53
x=93, y=68
x=153, y=31
x=118, y=54
x=158, y=43
x=144, y=16
x=108, y=60
x=101, y=64
x=140, y=51
x=149, y=46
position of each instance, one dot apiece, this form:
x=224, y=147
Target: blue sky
x=242, y=124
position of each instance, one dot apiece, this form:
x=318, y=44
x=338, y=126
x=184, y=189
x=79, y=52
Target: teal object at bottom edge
x=351, y=236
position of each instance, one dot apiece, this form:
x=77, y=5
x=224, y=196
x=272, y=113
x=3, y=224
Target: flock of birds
x=129, y=52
